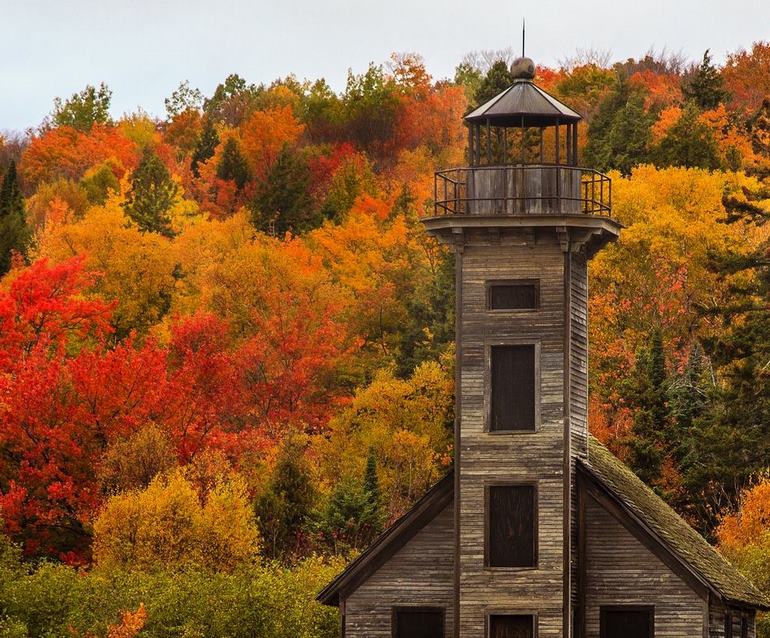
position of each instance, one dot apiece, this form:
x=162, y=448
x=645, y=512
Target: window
x=510, y=626
x=512, y=400
x=513, y=295
x=418, y=622
x=744, y=627
x=511, y=526
x=627, y=622
x=728, y=625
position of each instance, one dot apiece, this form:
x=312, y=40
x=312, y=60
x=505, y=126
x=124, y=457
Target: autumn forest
x=226, y=341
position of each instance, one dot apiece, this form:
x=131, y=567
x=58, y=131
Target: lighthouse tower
x=538, y=531
x=523, y=220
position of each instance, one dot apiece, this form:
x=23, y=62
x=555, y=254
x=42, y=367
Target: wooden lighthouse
x=539, y=530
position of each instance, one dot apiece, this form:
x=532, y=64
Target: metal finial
x=523, y=36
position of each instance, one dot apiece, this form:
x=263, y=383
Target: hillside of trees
x=226, y=341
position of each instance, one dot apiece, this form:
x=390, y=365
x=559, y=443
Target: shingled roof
x=670, y=529
x=638, y=502
x=522, y=104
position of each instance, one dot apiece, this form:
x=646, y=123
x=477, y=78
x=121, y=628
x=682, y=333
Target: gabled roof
x=525, y=102
x=390, y=541
x=681, y=540
x=638, y=502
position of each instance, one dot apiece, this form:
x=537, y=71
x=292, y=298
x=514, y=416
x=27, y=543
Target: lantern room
x=522, y=158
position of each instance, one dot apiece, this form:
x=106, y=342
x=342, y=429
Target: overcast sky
x=143, y=48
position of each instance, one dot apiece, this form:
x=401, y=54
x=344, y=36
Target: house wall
x=621, y=570
x=524, y=457
x=419, y=574
x=717, y=612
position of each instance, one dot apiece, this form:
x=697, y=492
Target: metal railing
x=537, y=189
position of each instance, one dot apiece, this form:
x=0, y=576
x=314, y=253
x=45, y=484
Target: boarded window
x=511, y=626
x=744, y=627
x=728, y=626
x=511, y=526
x=513, y=388
x=627, y=622
x=419, y=623
x=515, y=295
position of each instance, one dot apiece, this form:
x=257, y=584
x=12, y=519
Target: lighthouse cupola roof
x=523, y=104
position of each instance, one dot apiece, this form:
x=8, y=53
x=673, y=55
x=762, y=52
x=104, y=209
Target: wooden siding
x=419, y=574
x=717, y=612
x=522, y=457
x=578, y=395
x=622, y=571
x=577, y=292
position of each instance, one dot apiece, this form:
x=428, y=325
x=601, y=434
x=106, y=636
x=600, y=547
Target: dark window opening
x=511, y=523
x=744, y=627
x=513, y=388
x=728, y=626
x=520, y=295
x=511, y=626
x=627, y=622
x=418, y=622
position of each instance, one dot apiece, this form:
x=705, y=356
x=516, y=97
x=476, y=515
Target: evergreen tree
x=759, y=129
x=372, y=489
x=151, y=196
x=705, y=86
x=497, y=79
x=283, y=197
x=206, y=147
x=14, y=233
x=689, y=142
x=233, y=165
x=353, y=516
x=285, y=509
x=428, y=329
x=730, y=440
x=620, y=133
x=689, y=393
x=648, y=445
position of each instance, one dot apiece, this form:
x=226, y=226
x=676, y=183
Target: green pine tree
x=285, y=509
x=283, y=197
x=620, y=133
x=689, y=142
x=372, y=490
x=232, y=165
x=730, y=438
x=151, y=196
x=353, y=516
x=496, y=80
x=648, y=445
x=206, y=147
x=14, y=232
x=705, y=86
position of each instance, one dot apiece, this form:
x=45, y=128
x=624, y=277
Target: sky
x=143, y=49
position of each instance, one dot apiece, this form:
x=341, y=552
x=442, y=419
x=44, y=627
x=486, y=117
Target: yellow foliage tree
x=744, y=537
x=137, y=269
x=166, y=526
x=657, y=275
x=408, y=424
x=379, y=260
x=265, y=134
